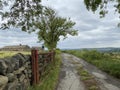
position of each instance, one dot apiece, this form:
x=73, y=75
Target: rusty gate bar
x=37, y=66
x=33, y=68
x=35, y=71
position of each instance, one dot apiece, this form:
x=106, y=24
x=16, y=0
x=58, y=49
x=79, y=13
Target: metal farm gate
x=39, y=62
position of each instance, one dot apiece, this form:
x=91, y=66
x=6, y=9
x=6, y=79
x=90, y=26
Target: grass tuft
x=87, y=79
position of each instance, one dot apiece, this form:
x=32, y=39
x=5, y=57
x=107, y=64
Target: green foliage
x=58, y=51
x=51, y=27
x=22, y=14
x=30, y=15
x=92, y=4
x=103, y=5
x=104, y=61
x=25, y=12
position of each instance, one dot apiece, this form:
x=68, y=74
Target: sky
x=93, y=32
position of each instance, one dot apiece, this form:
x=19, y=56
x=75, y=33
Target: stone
x=29, y=75
x=15, y=61
x=29, y=67
x=22, y=77
x=26, y=84
x=3, y=67
x=21, y=58
x=10, y=65
x=27, y=57
x=29, y=63
x=26, y=75
x=23, y=85
x=19, y=71
x=29, y=71
x=20, y=86
x=18, y=60
x=25, y=71
x=12, y=85
x=26, y=64
x=11, y=77
x=3, y=82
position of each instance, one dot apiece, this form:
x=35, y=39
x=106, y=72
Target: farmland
x=4, y=54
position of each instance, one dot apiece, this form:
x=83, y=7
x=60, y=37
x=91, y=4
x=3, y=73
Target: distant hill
x=107, y=49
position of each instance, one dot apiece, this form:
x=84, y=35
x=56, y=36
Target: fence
x=39, y=63
x=20, y=71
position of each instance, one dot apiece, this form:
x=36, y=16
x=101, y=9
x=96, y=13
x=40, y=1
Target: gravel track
x=70, y=80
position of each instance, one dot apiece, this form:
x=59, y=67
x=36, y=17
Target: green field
x=108, y=62
x=4, y=54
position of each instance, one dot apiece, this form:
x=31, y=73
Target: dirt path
x=69, y=80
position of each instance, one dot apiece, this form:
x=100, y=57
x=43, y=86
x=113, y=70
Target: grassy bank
x=50, y=80
x=105, y=61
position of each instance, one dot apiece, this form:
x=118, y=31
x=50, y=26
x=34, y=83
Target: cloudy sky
x=93, y=31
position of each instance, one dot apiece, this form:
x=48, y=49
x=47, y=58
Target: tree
x=51, y=27
x=94, y=5
x=22, y=14
x=25, y=9
x=102, y=5
x=30, y=15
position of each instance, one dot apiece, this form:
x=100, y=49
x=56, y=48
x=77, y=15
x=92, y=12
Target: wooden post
x=35, y=67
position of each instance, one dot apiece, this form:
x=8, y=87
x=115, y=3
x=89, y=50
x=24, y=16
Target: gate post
x=35, y=67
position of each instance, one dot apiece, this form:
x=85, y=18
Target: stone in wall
x=15, y=72
x=11, y=77
x=19, y=60
x=10, y=65
x=12, y=85
x=15, y=62
x=3, y=67
x=3, y=81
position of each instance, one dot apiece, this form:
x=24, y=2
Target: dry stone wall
x=15, y=72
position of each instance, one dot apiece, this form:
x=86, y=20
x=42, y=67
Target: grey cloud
x=16, y=37
x=93, y=31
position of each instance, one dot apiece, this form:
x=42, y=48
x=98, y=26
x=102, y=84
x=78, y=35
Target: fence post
x=35, y=67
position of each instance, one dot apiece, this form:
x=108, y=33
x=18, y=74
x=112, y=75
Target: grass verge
x=103, y=61
x=88, y=79
x=50, y=80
